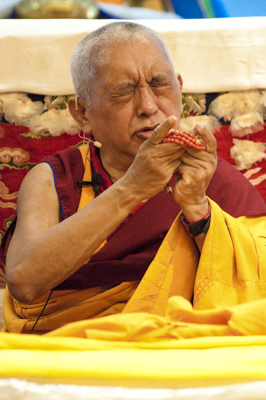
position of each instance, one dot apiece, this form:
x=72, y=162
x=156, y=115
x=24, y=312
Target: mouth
x=145, y=132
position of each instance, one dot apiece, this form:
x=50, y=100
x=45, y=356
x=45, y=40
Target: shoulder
x=37, y=189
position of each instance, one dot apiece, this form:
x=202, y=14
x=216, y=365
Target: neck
x=115, y=172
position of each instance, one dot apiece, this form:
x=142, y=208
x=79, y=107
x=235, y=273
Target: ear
x=180, y=80
x=77, y=108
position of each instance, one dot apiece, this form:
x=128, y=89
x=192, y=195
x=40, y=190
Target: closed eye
x=123, y=89
x=161, y=80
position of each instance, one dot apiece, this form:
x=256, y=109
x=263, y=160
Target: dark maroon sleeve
x=234, y=193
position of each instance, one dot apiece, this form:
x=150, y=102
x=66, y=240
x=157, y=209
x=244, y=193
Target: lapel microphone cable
x=41, y=313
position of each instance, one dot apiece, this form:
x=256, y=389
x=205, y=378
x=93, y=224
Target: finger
x=161, y=131
x=207, y=136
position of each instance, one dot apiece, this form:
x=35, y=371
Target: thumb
x=161, y=130
x=207, y=136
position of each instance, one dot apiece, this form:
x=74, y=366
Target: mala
x=184, y=138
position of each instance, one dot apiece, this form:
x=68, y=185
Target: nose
x=146, y=102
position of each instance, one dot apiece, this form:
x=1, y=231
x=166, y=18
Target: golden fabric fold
x=65, y=306
x=230, y=270
x=199, y=362
x=181, y=321
x=221, y=279
x=230, y=288
x=232, y=267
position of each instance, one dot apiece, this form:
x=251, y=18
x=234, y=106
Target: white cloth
x=211, y=54
x=20, y=389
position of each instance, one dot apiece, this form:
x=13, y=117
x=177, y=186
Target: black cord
x=41, y=313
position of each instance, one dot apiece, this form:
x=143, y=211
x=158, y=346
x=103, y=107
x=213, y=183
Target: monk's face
x=132, y=94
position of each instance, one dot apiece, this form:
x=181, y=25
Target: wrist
x=195, y=227
x=126, y=191
x=195, y=211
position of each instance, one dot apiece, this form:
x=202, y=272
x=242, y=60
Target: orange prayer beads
x=184, y=138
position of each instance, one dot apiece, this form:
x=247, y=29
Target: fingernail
x=200, y=126
x=172, y=119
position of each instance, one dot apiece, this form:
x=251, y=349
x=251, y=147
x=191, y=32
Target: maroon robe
x=128, y=252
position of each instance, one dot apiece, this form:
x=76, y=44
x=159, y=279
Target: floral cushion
x=33, y=127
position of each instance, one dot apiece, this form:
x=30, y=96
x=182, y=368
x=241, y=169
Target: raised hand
x=155, y=162
x=196, y=171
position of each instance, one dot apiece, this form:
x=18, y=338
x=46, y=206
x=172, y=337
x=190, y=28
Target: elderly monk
x=82, y=247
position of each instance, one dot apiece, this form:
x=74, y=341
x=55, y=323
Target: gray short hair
x=93, y=51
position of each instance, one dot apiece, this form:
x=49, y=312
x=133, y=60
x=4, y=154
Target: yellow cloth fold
x=230, y=270
x=142, y=350
x=199, y=362
x=229, y=294
x=65, y=306
x=215, y=350
x=180, y=322
x=221, y=279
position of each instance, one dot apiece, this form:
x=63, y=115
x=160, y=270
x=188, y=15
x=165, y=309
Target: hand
x=154, y=163
x=196, y=171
